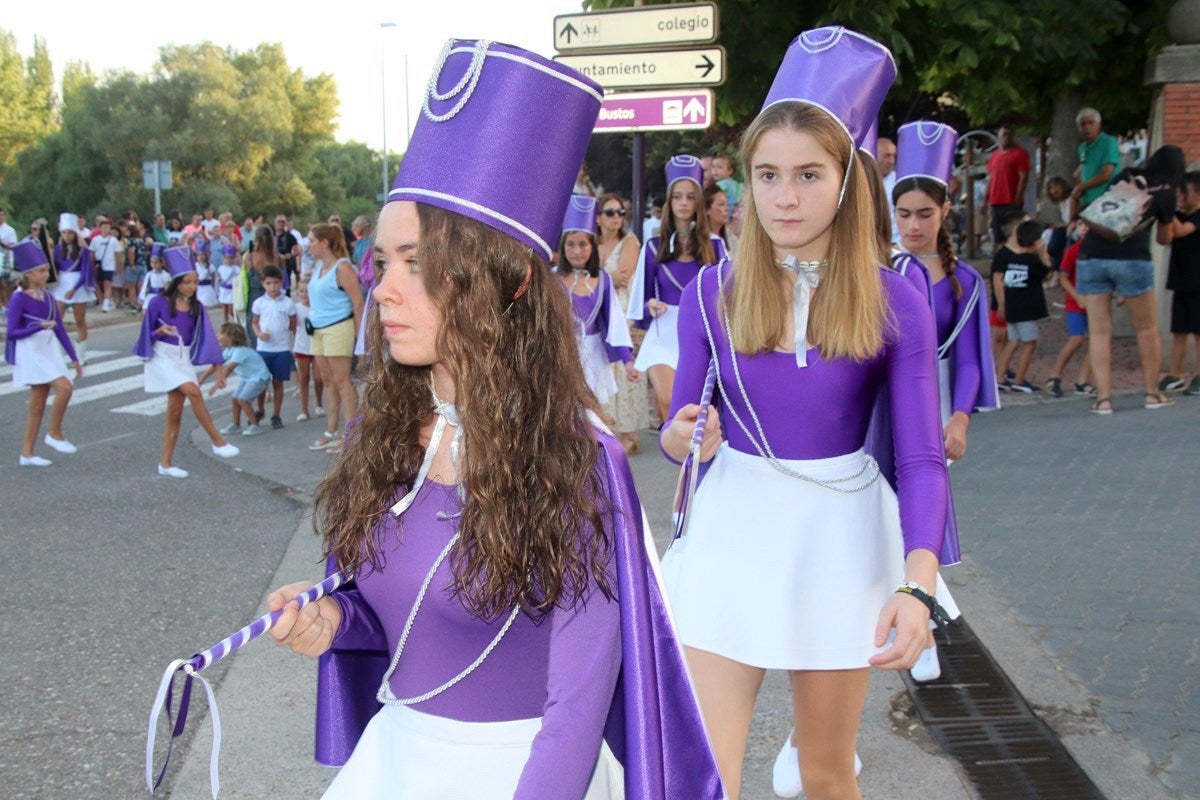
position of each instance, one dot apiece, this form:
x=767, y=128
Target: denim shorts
x=249, y=390
x=1026, y=331
x=1076, y=323
x=1124, y=277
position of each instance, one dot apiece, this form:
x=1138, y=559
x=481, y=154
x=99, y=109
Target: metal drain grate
x=977, y=716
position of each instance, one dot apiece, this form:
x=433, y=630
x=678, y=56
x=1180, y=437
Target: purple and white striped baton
x=689, y=471
x=191, y=668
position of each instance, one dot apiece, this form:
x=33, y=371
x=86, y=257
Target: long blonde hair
x=848, y=312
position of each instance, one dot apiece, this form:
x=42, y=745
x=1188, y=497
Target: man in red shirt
x=1008, y=170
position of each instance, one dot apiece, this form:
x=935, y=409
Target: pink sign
x=686, y=109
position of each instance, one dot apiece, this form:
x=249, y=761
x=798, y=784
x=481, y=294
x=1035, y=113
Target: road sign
x=156, y=175
x=647, y=26
x=661, y=69
x=679, y=110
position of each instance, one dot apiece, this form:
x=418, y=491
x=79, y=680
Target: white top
x=8, y=240
x=301, y=345
x=274, y=317
x=104, y=250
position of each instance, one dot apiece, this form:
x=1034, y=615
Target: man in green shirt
x=1099, y=159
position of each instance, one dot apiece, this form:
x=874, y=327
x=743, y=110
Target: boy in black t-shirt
x=1023, y=302
x=999, y=328
x=1183, y=278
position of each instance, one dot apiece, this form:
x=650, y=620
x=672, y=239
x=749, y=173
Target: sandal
x=1097, y=406
x=1157, y=400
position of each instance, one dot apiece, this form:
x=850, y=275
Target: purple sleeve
x=921, y=482
x=968, y=372
x=60, y=331
x=17, y=328
x=359, y=628
x=694, y=352
x=585, y=659
x=719, y=249
x=649, y=280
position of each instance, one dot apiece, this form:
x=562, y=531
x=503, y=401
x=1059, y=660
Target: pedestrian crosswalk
x=89, y=390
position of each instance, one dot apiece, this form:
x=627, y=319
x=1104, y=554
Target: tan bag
x=120, y=254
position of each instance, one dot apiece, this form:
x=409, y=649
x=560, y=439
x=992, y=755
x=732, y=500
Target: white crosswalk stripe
x=158, y=404
x=90, y=370
x=94, y=355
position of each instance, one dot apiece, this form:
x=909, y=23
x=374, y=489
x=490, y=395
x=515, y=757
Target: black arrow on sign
x=569, y=31
x=707, y=66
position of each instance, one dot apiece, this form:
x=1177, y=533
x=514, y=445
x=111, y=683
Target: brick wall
x=1181, y=118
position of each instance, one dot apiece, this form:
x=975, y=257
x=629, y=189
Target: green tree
x=26, y=97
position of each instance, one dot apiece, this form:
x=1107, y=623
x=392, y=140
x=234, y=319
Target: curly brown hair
x=531, y=530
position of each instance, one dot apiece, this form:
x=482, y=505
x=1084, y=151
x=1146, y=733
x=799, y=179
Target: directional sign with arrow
x=645, y=26
x=698, y=66
x=682, y=109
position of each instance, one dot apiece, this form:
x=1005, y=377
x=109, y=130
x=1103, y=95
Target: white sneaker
x=226, y=450
x=35, y=461
x=927, y=668
x=172, y=472
x=318, y=412
x=302, y=417
x=785, y=775
x=106, y=306
x=61, y=445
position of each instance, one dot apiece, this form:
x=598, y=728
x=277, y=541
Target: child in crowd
x=302, y=350
x=722, y=170
x=157, y=278
x=1076, y=323
x=206, y=293
x=1183, y=279
x=33, y=325
x=227, y=274
x=1023, y=303
x=274, y=321
x=249, y=366
x=999, y=328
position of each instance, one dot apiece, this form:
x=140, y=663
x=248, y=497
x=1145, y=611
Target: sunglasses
x=614, y=212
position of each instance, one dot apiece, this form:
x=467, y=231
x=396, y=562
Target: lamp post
x=383, y=26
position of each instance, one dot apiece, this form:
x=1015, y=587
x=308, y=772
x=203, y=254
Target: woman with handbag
x=1116, y=260
x=799, y=557
x=334, y=317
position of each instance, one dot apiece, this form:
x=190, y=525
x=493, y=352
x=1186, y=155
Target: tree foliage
x=26, y=97
x=244, y=132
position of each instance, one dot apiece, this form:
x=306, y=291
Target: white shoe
x=785, y=775
x=302, y=417
x=35, y=461
x=172, y=472
x=61, y=445
x=318, y=412
x=227, y=450
x=81, y=352
x=927, y=668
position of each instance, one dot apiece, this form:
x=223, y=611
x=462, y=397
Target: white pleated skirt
x=39, y=360
x=780, y=573
x=207, y=296
x=661, y=345
x=408, y=755
x=170, y=368
x=597, y=369
x=68, y=281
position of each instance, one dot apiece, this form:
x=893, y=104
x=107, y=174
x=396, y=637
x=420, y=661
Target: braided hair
x=936, y=191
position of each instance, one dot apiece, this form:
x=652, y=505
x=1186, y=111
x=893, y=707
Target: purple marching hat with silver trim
x=870, y=141
x=581, y=214
x=925, y=149
x=179, y=260
x=684, y=167
x=157, y=249
x=29, y=256
x=842, y=72
x=483, y=91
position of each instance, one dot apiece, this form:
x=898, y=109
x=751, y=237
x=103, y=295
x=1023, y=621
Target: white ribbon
x=807, y=279
x=447, y=414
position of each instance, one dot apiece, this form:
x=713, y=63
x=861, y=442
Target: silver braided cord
x=465, y=86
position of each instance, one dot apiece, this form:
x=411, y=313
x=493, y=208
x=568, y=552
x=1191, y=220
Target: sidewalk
x=267, y=695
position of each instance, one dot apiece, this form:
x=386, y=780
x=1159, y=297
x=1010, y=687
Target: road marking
x=109, y=439
x=6, y=369
x=108, y=389
x=158, y=405
x=89, y=370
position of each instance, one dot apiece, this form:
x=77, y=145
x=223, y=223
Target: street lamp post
x=383, y=99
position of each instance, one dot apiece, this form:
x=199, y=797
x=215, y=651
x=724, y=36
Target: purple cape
x=203, y=348
x=654, y=726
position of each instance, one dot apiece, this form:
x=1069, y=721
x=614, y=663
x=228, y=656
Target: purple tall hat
x=482, y=136
x=684, y=167
x=157, y=249
x=229, y=250
x=842, y=72
x=925, y=149
x=179, y=260
x=870, y=140
x=28, y=255
x=202, y=246
x=581, y=214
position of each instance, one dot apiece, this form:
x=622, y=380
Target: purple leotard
x=585, y=309
x=25, y=317
x=823, y=410
x=664, y=281
x=563, y=668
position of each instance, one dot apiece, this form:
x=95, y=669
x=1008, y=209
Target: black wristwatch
x=936, y=612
